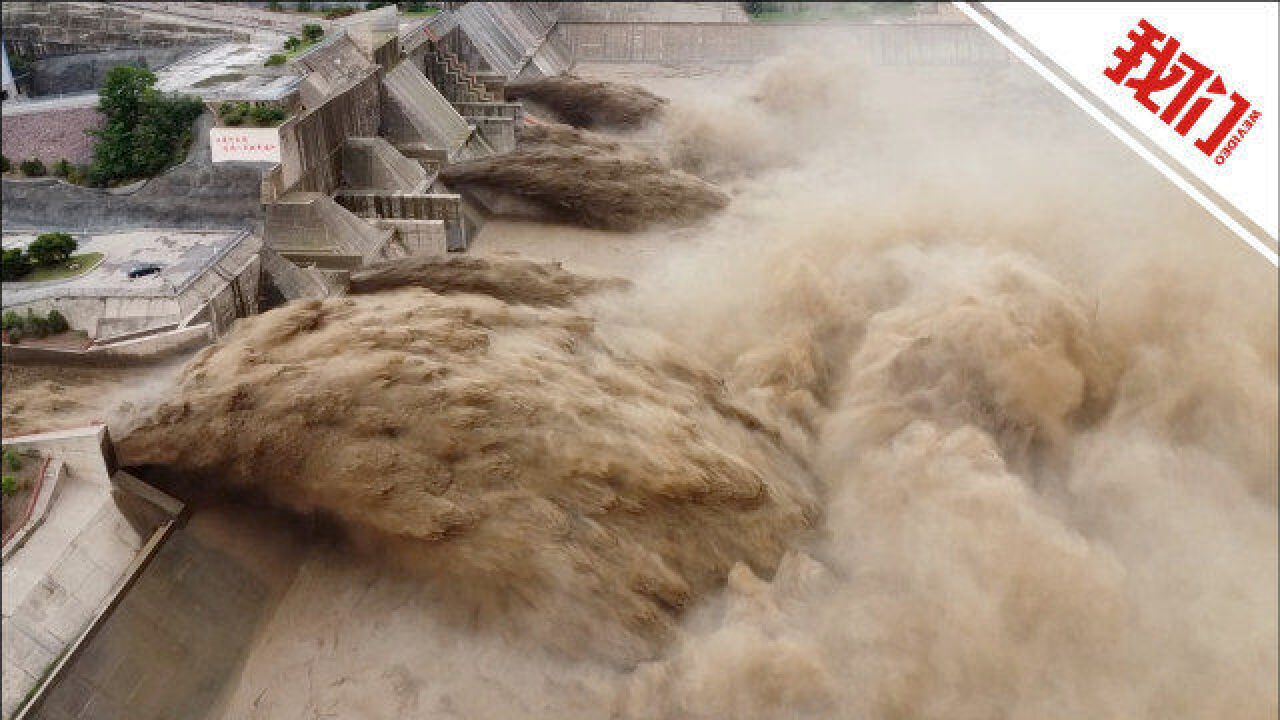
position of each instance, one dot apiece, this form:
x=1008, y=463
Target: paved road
x=39, y=105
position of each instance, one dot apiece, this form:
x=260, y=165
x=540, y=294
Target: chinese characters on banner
x=1186, y=77
x=245, y=144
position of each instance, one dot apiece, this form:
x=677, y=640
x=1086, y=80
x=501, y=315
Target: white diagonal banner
x=1190, y=87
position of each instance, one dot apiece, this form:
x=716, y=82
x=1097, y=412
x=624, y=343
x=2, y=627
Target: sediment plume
x=588, y=103
x=559, y=135
x=956, y=412
x=513, y=280
x=42, y=397
x=596, y=183
x=543, y=473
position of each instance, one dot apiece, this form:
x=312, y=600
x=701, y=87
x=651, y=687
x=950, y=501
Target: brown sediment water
x=955, y=412
x=513, y=280
x=582, y=178
x=588, y=103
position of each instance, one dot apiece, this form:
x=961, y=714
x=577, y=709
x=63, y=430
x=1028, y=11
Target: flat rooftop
x=183, y=255
x=230, y=71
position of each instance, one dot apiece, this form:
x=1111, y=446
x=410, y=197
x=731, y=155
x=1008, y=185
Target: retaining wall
x=195, y=194
x=86, y=71
x=39, y=29
x=152, y=347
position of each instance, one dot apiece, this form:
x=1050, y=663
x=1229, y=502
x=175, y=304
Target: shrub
x=145, y=130
x=13, y=266
x=375, y=5
x=5, y=165
x=303, y=6
x=12, y=459
x=57, y=322
x=292, y=43
x=276, y=59
x=32, y=168
x=312, y=32
x=62, y=168
x=267, y=115
x=233, y=113
x=274, y=6
x=78, y=174
x=340, y=12
x=9, y=486
x=415, y=7
x=35, y=325
x=52, y=248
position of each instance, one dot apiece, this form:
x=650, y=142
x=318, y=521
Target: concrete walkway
x=15, y=107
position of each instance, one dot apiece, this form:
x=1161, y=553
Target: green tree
x=144, y=130
x=13, y=266
x=5, y=165
x=126, y=92
x=292, y=43
x=276, y=59
x=12, y=459
x=8, y=485
x=52, y=248
x=312, y=32
x=303, y=6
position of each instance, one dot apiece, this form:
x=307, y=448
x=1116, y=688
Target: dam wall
x=311, y=144
x=701, y=43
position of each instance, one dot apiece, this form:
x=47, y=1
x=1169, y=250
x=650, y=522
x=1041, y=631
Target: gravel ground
x=51, y=136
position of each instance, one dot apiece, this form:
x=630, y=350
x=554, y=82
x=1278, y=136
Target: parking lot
x=181, y=255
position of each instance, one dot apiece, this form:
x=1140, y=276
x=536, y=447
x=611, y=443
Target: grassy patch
x=76, y=265
x=305, y=46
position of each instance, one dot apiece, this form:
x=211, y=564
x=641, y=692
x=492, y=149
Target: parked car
x=143, y=269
